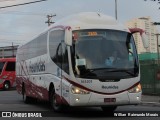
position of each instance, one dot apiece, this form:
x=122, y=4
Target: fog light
x=77, y=99
x=137, y=98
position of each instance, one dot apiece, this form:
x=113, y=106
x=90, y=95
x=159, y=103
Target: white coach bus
x=87, y=59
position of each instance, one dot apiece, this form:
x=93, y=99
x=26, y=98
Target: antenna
x=49, y=21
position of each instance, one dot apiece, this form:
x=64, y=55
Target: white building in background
x=8, y=51
x=147, y=24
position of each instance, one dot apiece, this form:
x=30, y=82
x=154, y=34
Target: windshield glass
x=1, y=66
x=104, y=54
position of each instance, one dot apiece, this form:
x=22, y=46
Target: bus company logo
x=37, y=67
x=6, y=114
x=110, y=87
x=21, y=114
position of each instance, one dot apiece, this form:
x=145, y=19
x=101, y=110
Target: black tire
x=55, y=106
x=26, y=99
x=6, y=85
x=109, y=109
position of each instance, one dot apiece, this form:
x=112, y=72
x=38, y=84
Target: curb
x=150, y=104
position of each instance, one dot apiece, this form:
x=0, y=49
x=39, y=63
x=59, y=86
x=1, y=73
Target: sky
x=20, y=24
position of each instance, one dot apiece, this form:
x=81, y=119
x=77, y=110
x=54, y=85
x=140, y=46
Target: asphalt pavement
x=151, y=100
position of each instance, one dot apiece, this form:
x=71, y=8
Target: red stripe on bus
x=90, y=90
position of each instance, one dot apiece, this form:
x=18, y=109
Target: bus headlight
x=77, y=90
x=136, y=89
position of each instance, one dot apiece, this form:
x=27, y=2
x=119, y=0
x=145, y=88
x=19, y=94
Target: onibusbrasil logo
x=21, y=114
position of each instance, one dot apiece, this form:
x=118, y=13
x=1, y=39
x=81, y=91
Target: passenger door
x=65, y=72
x=59, y=68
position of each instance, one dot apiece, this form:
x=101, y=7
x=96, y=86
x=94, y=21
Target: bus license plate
x=109, y=100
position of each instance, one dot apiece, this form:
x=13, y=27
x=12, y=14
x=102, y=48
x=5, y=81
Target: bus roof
x=7, y=59
x=90, y=20
x=86, y=20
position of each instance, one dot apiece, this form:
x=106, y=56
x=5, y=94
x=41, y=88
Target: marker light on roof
x=92, y=33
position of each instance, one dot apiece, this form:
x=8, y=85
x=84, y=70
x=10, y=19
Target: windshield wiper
x=123, y=70
x=87, y=72
x=91, y=71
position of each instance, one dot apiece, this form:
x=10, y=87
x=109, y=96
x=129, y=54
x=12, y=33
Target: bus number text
x=86, y=81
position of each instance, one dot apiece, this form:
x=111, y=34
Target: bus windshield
x=104, y=54
x=1, y=66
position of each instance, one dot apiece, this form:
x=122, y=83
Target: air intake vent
x=104, y=80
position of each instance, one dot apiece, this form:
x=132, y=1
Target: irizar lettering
x=109, y=87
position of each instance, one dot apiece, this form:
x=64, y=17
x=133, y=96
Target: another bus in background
x=7, y=73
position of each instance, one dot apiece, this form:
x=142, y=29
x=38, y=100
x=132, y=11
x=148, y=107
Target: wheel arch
x=51, y=87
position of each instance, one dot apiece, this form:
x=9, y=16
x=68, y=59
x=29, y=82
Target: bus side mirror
x=145, y=40
x=68, y=36
x=143, y=36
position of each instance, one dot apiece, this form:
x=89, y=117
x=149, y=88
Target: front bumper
x=94, y=99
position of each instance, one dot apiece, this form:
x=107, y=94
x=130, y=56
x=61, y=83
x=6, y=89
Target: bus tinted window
x=1, y=66
x=103, y=50
x=10, y=66
x=65, y=63
x=55, y=38
x=35, y=48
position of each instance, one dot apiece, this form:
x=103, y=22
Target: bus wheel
x=26, y=99
x=6, y=85
x=109, y=109
x=55, y=106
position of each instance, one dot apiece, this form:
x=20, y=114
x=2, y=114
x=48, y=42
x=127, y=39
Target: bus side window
x=59, y=55
x=10, y=66
x=65, y=63
x=62, y=57
x=1, y=66
x=55, y=38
